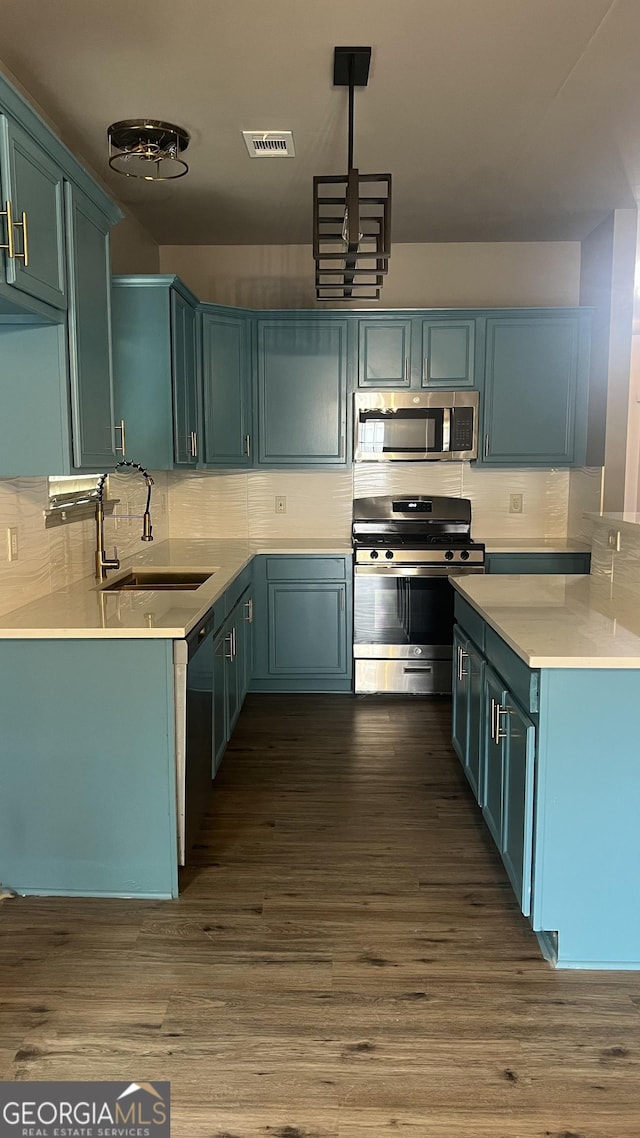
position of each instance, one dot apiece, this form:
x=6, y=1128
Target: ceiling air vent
x=269, y=143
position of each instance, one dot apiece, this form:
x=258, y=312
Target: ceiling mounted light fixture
x=352, y=211
x=147, y=149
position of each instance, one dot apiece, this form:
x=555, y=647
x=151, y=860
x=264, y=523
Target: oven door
x=406, y=433
x=403, y=628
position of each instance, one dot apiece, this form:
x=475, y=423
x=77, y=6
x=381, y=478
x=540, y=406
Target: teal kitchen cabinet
x=89, y=333
x=492, y=754
x=536, y=376
x=460, y=697
x=537, y=562
x=467, y=708
x=33, y=199
x=226, y=388
x=155, y=370
x=301, y=391
x=516, y=842
x=232, y=662
x=184, y=375
x=303, y=627
x=448, y=352
x=564, y=819
x=384, y=352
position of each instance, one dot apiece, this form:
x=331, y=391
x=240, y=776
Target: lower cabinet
x=558, y=788
x=495, y=741
x=232, y=661
x=303, y=631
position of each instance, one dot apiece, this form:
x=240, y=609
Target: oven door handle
x=417, y=570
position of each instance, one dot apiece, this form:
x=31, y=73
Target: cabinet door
x=226, y=382
x=448, y=349
x=474, y=665
x=531, y=383
x=307, y=628
x=220, y=649
x=89, y=333
x=33, y=184
x=384, y=353
x=517, y=809
x=493, y=740
x=302, y=392
x=183, y=353
x=460, y=696
x=246, y=630
x=235, y=669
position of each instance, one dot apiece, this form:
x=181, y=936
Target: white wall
x=456, y=275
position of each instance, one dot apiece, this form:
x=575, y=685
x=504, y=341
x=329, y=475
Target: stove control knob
x=389, y=554
x=374, y=554
x=464, y=556
x=449, y=555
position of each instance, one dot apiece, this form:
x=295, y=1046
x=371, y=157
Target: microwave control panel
x=461, y=428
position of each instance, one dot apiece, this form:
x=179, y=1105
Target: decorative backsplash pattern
x=242, y=504
x=50, y=559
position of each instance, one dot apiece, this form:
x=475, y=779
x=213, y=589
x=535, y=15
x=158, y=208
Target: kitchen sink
x=142, y=580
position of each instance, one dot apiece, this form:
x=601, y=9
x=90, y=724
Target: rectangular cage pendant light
x=352, y=211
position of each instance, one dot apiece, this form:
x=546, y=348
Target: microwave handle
x=446, y=430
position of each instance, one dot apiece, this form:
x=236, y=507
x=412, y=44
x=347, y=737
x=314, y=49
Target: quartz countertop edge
x=85, y=610
x=563, y=621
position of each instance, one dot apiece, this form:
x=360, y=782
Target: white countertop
x=558, y=621
x=534, y=545
x=84, y=610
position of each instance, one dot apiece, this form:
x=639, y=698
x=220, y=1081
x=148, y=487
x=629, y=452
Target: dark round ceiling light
x=147, y=149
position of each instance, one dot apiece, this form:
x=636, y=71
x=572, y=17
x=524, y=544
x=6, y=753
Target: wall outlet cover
x=516, y=503
x=281, y=504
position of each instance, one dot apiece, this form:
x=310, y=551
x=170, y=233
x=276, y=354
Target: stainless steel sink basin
x=143, y=580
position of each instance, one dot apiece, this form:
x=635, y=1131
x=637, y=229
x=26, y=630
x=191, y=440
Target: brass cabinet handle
x=486, y=446
x=122, y=449
x=249, y=607
x=25, y=239
x=193, y=443
x=462, y=655
x=493, y=709
x=407, y=373
x=247, y=446
x=8, y=213
x=425, y=368
x=229, y=654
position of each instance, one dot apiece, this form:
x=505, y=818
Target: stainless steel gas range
x=406, y=548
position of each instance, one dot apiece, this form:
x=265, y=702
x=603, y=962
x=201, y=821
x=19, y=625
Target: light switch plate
x=13, y=548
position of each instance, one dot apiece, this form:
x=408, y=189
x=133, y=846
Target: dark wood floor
x=346, y=958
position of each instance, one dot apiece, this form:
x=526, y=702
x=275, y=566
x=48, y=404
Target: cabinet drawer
x=521, y=680
x=306, y=568
x=469, y=620
x=237, y=588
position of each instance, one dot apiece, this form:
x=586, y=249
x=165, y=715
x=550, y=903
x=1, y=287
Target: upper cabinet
x=301, y=391
x=34, y=230
x=448, y=352
x=226, y=388
x=155, y=370
x=56, y=415
x=384, y=353
x=185, y=380
x=535, y=391
x=90, y=333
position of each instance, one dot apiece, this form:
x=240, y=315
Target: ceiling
x=498, y=119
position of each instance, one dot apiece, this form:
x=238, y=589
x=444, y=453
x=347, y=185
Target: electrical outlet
x=516, y=503
x=281, y=504
x=12, y=543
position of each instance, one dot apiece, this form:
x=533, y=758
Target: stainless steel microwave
x=392, y=426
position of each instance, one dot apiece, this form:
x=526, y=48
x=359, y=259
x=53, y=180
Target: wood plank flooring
x=346, y=959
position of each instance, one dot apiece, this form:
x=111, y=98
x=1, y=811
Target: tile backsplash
x=242, y=504
x=50, y=559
